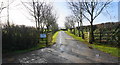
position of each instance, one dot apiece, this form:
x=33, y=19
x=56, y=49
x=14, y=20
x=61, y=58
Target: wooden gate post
x=88, y=36
x=100, y=35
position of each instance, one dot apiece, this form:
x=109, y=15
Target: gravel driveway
x=66, y=50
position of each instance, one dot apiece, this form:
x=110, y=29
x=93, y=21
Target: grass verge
x=54, y=38
x=114, y=51
x=76, y=37
x=111, y=50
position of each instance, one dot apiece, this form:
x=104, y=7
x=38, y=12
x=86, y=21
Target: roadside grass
x=111, y=50
x=76, y=37
x=39, y=46
x=54, y=38
x=114, y=51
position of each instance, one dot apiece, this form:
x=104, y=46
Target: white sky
x=20, y=16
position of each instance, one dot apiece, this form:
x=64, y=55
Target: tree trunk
x=91, y=36
x=70, y=30
x=100, y=35
x=74, y=30
x=82, y=31
x=47, y=36
x=82, y=34
x=36, y=24
x=47, y=29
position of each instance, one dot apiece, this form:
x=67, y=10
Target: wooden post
x=88, y=36
x=46, y=39
x=100, y=35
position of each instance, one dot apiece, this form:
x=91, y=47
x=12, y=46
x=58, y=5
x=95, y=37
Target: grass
x=54, y=38
x=111, y=50
x=76, y=37
x=114, y=51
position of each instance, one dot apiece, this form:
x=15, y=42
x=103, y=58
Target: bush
x=18, y=38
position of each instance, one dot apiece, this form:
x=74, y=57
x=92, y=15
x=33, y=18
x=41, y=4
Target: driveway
x=66, y=50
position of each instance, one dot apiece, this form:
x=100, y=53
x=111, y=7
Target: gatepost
x=44, y=36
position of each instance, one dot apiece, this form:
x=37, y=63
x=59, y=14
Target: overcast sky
x=19, y=15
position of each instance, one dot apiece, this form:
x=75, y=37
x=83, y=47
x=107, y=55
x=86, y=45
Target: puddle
x=27, y=62
x=24, y=58
x=20, y=60
x=97, y=55
x=32, y=59
x=49, y=50
x=79, y=47
x=32, y=54
x=62, y=48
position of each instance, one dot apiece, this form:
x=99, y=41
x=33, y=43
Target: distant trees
x=76, y=8
x=70, y=23
x=49, y=18
x=90, y=11
x=67, y=25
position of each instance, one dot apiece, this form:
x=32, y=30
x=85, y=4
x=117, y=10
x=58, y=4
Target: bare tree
x=42, y=13
x=67, y=26
x=93, y=10
x=8, y=14
x=48, y=16
x=54, y=27
x=2, y=7
x=71, y=22
x=77, y=10
x=35, y=10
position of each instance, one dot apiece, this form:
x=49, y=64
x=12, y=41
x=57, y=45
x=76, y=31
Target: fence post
x=88, y=35
x=100, y=36
x=47, y=34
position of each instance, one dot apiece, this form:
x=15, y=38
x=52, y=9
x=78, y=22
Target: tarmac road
x=66, y=50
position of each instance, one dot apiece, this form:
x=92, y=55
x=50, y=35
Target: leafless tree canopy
x=70, y=21
x=88, y=10
x=2, y=7
x=94, y=9
x=42, y=13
